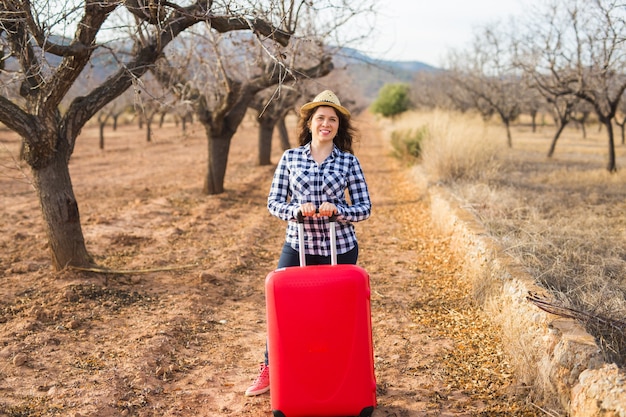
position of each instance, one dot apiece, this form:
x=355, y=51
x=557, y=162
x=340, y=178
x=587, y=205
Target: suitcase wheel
x=366, y=412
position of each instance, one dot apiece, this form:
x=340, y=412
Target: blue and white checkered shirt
x=299, y=179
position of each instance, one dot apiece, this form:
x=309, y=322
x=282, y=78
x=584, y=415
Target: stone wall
x=554, y=355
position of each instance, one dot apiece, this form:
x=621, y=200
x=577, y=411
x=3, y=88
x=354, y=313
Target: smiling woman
x=310, y=184
x=323, y=127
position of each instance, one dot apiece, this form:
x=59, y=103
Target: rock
x=208, y=278
x=600, y=392
x=20, y=359
x=70, y=295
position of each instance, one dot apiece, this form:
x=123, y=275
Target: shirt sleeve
x=361, y=206
x=278, y=200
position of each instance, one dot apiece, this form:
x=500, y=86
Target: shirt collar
x=307, y=150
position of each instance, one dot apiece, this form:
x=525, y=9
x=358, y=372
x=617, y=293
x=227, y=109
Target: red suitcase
x=320, y=340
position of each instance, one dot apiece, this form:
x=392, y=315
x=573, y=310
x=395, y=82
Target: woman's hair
x=343, y=139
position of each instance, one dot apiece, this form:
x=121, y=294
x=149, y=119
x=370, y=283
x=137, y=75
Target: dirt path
x=435, y=354
x=186, y=341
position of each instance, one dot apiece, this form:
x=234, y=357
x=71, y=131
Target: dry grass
x=563, y=218
x=458, y=146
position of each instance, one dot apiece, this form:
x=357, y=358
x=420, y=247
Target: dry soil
x=177, y=328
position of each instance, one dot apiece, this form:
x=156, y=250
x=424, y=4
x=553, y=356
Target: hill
x=368, y=74
x=371, y=74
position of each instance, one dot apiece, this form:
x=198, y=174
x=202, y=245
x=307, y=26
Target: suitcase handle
x=300, y=216
x=332, y=220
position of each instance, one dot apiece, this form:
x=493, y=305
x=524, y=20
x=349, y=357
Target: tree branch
x=16, y=118
x=44, y=42
x=156, y=14
x=72, y=65
x=14, y=25
x=225, y=24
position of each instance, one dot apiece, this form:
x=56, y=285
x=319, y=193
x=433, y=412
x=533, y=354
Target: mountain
x=368, y=74
x=371, y=74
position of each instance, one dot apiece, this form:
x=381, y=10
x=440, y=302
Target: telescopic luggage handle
x=332, y=220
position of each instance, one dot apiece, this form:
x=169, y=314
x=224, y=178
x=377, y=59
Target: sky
x=423, y=30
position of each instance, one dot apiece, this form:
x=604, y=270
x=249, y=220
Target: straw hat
x=325, y=98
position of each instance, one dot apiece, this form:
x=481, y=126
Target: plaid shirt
x=299, y=179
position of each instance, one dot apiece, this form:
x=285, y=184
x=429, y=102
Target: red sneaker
x=261, y=384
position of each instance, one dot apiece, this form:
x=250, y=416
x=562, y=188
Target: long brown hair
x=344, y=137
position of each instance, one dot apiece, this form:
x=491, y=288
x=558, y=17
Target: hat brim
x=313, y=104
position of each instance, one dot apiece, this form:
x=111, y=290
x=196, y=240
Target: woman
x=313, y=179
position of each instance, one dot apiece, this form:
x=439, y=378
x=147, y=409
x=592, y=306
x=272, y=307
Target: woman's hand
x=308, y=209
x=326, y=209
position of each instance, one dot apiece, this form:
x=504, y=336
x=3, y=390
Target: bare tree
x=152, y=100
x=439, y=89
x=183, y=114
x=621, y=111
x=46, y=46
x=222, y=104
x=578, y=49
x=533, y=103
x=430, y=90
x=488, y=76
x=562, y=109
x=271, y=114
x=560, y=105
x=112, y=111
x=224, y=73
x=580, y=115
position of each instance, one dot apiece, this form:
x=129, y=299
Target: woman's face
x=324, y=124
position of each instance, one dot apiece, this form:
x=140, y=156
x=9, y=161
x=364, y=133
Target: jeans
x=290, y=257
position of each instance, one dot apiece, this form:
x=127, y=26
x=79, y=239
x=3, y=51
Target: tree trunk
x=148, y=130
x=612, y=165
x=283, y=133
x=509, y=140
x=219, y=147
x=220, y=129
x=60, y=213
x=583, y=124
x=556, y=138
x=102, y=135
x=149, y=120
x=266, y=131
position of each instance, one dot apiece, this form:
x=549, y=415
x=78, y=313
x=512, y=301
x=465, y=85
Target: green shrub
x=392, y=100
x=407, y=144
